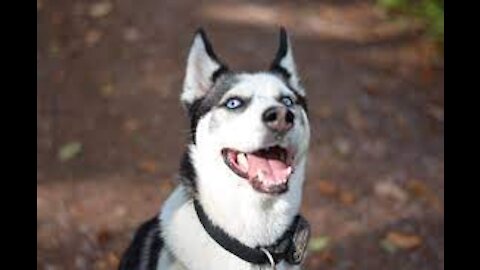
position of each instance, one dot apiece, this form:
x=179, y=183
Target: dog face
x=249, y=130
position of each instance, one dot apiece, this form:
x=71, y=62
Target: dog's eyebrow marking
x=203, y=105
x=224, y=84
x=300, y=100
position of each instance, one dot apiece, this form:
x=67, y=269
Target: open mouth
x=267, y=170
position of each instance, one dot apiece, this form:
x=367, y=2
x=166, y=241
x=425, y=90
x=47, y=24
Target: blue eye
x=234, y=103
x=287, y=101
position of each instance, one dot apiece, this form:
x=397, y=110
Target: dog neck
x=253, y=218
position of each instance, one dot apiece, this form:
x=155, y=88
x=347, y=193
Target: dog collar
x=291, y=246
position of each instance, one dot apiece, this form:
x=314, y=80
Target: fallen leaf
x=390, y=190
x=328, y=257
x=403, y=240
x=388, y=247
x=100, y=9
x=131, y=34
x=166, y=185
x=103, y=236
x=417, y=188
x=131, y=125
x=371, y=85
x=355, y=119
x=343, y=146
x=113, y=260
x=148, y=166
x=69, y=151
x=107, y=89
x=426, y=75
x=346, y=197
x=327, y=188
x=318, y=243
x=421, y=191
x=92, y=37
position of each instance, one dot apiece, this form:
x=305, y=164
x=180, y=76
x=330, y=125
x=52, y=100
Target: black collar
x=290, y=246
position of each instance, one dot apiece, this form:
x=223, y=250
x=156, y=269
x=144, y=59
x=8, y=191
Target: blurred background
x=111, y=131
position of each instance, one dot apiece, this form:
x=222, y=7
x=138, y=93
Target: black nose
x=279, y=119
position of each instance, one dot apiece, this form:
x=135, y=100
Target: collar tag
x=301, y=236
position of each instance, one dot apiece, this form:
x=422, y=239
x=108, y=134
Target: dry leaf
x=69, y=151
x=107, y=89
x=100, y=9
x=417, y=188
x=103, y=236
x=148, y=166
x=131, y=125
x=343, y=146
x=327, y=188
x=403, y=240
x=131, y=34
x=92, y=37
x=113, y=260
x=355, y=119
x=390, y=190
x=346, y=197
x=328, y=257
x=421, y=191
x=371, y=85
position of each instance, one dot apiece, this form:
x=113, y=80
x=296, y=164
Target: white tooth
x=242, y=161
x=289, y=170
x=261, y=175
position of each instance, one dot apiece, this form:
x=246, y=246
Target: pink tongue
x=275, y=171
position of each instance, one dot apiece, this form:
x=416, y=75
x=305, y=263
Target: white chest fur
x=188, y=242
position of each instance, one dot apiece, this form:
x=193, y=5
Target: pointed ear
x=285, y=64
x=203, y=68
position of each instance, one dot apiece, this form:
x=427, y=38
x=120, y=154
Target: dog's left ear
x=285, y=64
x=203, y=68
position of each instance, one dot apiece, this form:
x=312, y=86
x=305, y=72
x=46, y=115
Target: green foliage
x=393, y=4
x=431, y=12
x=318, y=243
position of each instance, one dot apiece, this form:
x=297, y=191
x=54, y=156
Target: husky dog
x=237, y=204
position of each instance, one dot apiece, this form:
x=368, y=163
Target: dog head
x=249, y=131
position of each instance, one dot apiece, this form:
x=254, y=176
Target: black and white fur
x=176, y=239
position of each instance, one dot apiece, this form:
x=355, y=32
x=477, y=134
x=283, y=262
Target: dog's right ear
x=203, y=68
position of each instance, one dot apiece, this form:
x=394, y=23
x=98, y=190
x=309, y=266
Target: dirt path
x=109, y=78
